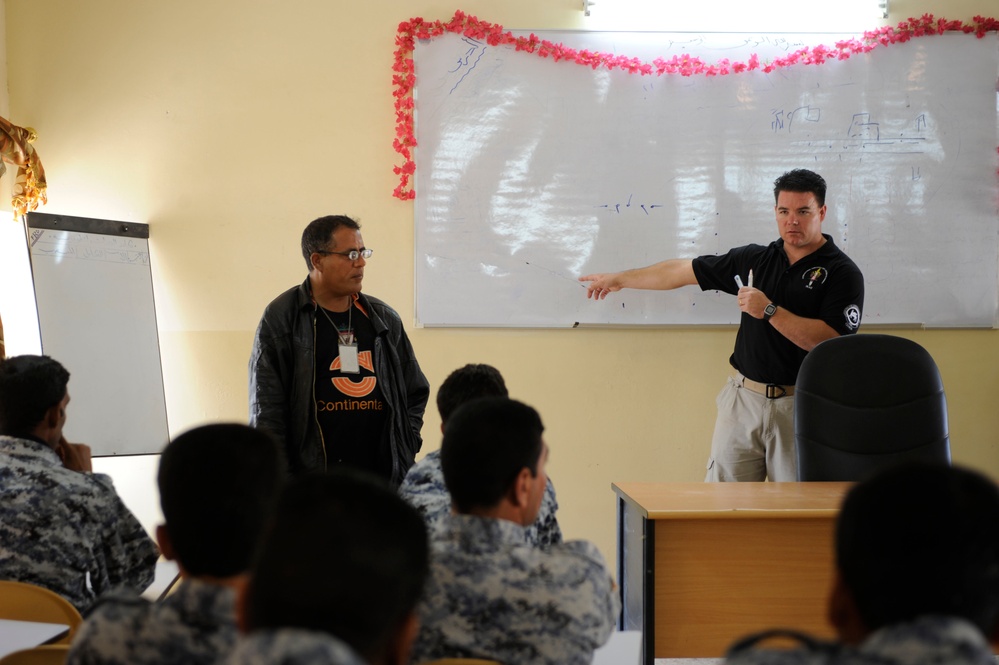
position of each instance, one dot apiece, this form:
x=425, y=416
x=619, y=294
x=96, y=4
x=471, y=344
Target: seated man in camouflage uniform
x=491, y=595
x=337, y=579
x=424, y=483
x=917, y=575
x=60, y=525
x=218, y=484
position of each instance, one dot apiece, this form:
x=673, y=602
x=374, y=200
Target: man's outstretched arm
x=663, y=276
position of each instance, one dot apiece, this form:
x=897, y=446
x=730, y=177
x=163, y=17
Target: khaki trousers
x=754, y=437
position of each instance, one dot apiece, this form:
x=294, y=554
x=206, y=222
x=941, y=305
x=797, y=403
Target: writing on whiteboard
x=61, y=245
x=628, y=205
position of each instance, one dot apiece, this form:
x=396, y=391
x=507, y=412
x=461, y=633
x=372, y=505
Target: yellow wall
x=227, y=126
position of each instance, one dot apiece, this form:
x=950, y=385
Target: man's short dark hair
x=317, y=236
x=218, y=484
x=487, y=442
x=344, y=555
x=801, y=180
x=922, y=539
x=29, y=386
x=467, y=383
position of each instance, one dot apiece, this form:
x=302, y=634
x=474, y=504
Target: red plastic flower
x=404, y=77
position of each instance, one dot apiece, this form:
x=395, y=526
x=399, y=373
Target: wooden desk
x=702, y=564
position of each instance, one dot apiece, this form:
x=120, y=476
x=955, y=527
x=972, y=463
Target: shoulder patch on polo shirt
x=852, y=315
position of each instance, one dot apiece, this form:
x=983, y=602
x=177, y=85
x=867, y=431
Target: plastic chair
x=27, y=602
x=866, y=402
x=50, y=654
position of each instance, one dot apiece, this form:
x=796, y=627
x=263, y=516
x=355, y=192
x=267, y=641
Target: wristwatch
x=769, y=311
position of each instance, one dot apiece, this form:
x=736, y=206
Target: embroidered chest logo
x=348, y=386
x=814, y=276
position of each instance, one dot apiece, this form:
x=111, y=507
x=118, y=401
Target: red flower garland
x=409, y=31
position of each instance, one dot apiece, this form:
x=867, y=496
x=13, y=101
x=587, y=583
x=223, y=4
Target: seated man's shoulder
x=576, y=575
x=110, y=632
x=805, y=656
x=94, y=493
x=582, y=551
x=925, y=641
x=934, y=638
x=517, y=603
x=786, y=647
x=291, y=646
x=779, y=657
x=546, y=531
x=122, y=606
x=56, y=487
x=569, y=556
x=424, y=489
x=98, y=484
x=425, y=476
x=195, y=625
x=573, y=569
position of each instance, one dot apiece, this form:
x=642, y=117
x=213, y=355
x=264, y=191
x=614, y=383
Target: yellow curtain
x=15, y=148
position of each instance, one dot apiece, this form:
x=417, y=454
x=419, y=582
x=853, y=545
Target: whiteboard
x=96, y=315
x=532, y=172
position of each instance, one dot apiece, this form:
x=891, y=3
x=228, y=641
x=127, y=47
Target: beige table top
x=674, y=501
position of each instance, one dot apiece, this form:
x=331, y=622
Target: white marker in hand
x=738, y=281
x=750, y=278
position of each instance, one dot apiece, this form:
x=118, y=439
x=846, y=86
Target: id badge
x=348, y=359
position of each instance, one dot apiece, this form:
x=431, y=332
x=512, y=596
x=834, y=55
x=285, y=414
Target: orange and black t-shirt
x=350, y=408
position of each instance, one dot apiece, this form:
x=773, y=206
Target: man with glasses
x=332, y=372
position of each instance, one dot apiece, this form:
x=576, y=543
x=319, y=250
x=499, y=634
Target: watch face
x=770, y=309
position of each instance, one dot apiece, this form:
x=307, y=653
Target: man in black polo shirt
x=793, y=293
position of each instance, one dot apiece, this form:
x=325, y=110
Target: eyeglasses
x=353, y=254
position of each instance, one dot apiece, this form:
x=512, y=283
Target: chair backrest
x=866, y=402
x=50, y=654
x=27, y=602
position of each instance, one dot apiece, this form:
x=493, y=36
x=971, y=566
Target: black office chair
x=866, y=402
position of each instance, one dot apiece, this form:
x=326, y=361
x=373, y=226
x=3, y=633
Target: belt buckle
x=772, y=389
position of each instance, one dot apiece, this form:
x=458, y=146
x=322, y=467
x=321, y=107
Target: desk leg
x=636, y=555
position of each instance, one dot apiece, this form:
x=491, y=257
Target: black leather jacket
x=282, y=378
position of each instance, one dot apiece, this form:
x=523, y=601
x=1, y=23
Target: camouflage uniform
x=425, y=490
x=57, y=526
x=194, y=625
x=491, y=595
x=291, y=646
x=926, y=641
